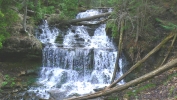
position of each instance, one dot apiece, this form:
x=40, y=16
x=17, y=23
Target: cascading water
x=84, y=61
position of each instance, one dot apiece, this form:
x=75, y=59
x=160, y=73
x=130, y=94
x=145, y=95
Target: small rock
x=99, y=89
x=22, y=73
x=14, y=91
x=57, y=95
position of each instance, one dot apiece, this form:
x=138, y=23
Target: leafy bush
x=7, y=18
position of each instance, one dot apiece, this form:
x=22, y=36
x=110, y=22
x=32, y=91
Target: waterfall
x=85, y=60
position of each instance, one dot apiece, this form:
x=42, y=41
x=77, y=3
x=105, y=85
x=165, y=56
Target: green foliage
x=170, y=26
x=7, y=18
x=111, y=2
x=111, y=24
x=68, y=8
x=8, y=81
x=2, y=28
x=1, y=14
x=101, y=3
x=4, y=83
x=137, y=15
x=40, y=11
x=167, y=25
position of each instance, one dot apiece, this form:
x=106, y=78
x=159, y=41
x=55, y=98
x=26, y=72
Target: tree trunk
x=118, y=52
x=25, y=15
x=35, y=3
x=88, y=3
x=141, y=79
x=142, y=60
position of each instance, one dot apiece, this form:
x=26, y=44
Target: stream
x=81, y=60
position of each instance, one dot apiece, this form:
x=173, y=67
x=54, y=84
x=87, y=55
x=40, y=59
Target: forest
x=144, y=31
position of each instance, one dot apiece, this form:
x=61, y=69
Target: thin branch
x=169, y=49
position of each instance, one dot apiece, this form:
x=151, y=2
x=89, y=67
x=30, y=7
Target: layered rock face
x=21, y=48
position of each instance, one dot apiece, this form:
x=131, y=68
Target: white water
x=85, y=61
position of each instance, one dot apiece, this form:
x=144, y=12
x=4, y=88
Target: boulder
x=53, y=18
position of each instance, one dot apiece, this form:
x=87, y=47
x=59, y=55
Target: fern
x=167, y=25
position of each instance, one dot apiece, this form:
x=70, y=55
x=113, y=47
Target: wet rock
x=99, y=89
x=28, y=72
x=31, y=96
x=57, y=95
x=74, y=95
x=6, y=87
x=63, y=79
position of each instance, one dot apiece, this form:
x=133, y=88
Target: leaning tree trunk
x=118, y=52
x=169, y=49
x=142, y=60
x=141, y=79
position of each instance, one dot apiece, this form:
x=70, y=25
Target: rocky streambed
x=16, y=77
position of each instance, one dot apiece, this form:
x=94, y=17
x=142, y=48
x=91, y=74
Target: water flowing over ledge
x=84, y=62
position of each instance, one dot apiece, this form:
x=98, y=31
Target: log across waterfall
x=85, y=60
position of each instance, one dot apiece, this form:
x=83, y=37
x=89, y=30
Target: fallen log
x=88, y=18
x=119, y=88
x=75, y=21
x=142, y=60
x=87, y=23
